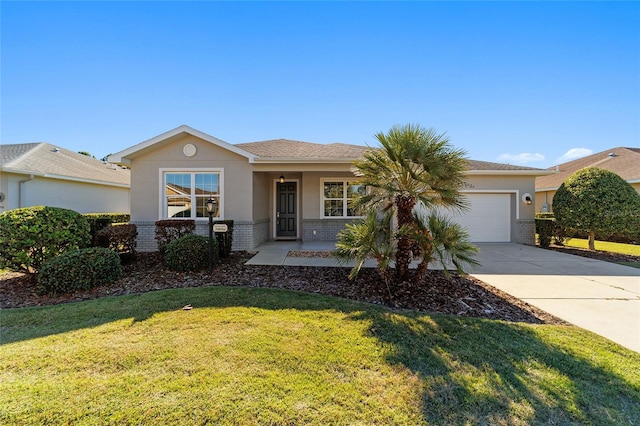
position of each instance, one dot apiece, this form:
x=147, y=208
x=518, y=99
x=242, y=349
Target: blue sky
x=531, y=83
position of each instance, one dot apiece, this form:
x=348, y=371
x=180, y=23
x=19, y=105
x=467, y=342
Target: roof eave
x=532, y=172
x=292, y=160
x=63, y=177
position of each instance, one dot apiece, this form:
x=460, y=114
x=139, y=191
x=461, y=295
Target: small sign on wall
x=220, y=227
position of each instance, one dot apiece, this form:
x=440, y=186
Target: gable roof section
x=625, y=162
x=125, y=156
x=44, y=159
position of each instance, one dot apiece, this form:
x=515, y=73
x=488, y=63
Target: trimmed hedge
x=32, y=235
x=169, y=230
x=79, y=270
x=544, y=229
x=98, y=221
x=119, y=238
x=189, y=253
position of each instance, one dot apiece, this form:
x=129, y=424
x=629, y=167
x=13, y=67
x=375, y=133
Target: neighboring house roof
x=625, y=162
x=44, y=159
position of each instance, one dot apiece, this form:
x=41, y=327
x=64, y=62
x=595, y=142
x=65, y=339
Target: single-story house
x=625, y=162
x=35, y=174
x=285, y=189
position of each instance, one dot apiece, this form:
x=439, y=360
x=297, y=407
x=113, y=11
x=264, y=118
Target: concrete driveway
x=598, y=296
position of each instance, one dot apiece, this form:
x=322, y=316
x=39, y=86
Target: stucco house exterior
x=285, y=189
x=34, y=174
x=625, y=162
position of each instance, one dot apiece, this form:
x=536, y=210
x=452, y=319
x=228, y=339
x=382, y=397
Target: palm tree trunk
x=404, y=205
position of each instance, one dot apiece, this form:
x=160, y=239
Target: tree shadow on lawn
x=473, y=371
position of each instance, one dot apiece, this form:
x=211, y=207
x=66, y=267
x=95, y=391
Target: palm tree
x=414, y=165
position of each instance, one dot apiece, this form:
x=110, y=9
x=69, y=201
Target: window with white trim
x=186, y=194
x=337, y=198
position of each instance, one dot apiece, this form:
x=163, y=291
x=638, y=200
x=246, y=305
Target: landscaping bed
x=456, y=295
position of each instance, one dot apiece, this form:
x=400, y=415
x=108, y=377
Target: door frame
x=275, y=208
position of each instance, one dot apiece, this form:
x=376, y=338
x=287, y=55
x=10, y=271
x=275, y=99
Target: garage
x=488, y=219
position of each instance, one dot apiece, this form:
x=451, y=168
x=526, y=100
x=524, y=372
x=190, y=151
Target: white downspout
x=30, y=178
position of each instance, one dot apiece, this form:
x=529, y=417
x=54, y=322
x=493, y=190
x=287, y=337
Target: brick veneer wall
x=246, y=235
x=326, y=229
x=525, y=232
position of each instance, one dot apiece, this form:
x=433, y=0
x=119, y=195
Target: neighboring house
x=35, y=174
x=284, y=189
x=625, y=162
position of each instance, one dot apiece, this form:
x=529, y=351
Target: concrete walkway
x=598, y=296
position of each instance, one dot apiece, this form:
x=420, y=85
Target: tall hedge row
x=32, y=235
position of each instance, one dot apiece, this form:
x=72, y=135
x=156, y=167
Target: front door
x=286, y=210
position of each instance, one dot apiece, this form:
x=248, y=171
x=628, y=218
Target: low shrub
x=32, y=235
x=544, y=229
x=99, y=221
x=119, y=238
x=169, y=230
x=189, y=253
x=79, y=270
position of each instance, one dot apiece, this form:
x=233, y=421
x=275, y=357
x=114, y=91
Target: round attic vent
x=189, y=150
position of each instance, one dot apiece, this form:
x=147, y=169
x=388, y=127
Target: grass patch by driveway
x=263, y=356
x=631, y=249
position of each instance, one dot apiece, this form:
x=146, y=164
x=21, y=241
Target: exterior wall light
x=526, y=198
x=281, y=178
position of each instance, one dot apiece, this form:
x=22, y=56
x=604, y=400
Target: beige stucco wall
x=146, y=179
x=546, y=197
x=78, y=196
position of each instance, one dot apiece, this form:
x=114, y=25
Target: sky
x=526, y=83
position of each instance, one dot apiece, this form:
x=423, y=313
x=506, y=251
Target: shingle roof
x=487, y=165
x=290, y=149
x=285, y=148
x=625, y=162
x=44, y=159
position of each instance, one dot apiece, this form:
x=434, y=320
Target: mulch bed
x=454, y=295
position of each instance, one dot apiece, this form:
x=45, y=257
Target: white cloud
x=523, y=158
x=574, y=153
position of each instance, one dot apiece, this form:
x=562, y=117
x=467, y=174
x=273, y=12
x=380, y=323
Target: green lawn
x=260, y=356
x=605, y=246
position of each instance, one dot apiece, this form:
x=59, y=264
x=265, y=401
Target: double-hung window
x=186, y=193
x=338, y=196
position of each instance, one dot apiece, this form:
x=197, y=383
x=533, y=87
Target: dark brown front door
x=286, y=210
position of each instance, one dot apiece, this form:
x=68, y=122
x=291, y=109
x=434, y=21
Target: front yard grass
x=631, y=249
x=263, y=356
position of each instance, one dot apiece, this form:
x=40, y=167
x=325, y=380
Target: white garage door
x=488, y=219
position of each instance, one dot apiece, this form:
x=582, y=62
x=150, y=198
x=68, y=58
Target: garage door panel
x=488, y=219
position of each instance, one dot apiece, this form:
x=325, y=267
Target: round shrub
x=189, y=253
x=79, y=270
x=32, y=235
